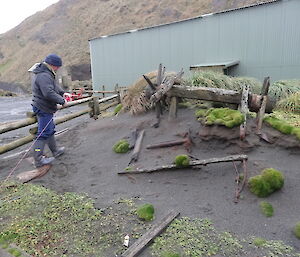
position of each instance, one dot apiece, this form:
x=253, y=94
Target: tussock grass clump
x=297, y=230
x=218, y=80
x=283, y=88
x=118, y=108
x=290, y=104
x=265, y=184
x=182, y=160
x=278, y=90
x=121, y=146
x=283, y=126
x=146, y=212
x=266, y=209
x=224, y=116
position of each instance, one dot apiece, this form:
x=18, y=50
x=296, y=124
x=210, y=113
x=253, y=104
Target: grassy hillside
x=65, y=27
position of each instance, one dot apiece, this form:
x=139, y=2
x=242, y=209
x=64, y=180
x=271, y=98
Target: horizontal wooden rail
x=76, y=102
x=31, y=120
x=101, y=92
x=17, y=124
x=24, y=140
x=219, y=95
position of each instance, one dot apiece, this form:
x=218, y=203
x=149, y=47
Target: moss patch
x=199, y=238
x=45, y=223
x=269, y=181
x=170, y=254
x=121, y=146
x=182, y=160
x=14, y=252
x=297, y=230
x=224, y=116
x=118, y=108
x=258, y=241
x=145, y=212
x=266, y=208
x=283, y=126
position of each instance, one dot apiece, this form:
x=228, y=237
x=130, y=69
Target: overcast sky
x=13, y=12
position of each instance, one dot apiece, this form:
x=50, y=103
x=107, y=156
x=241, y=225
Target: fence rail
x=102, y=103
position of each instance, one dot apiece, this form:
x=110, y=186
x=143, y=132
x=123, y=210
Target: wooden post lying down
x=194, y=163
x=219, y=95
x=143, y=241
x=32, y=174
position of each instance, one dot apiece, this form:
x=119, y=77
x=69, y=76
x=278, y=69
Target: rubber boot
x=39, y=158
x=56, y=151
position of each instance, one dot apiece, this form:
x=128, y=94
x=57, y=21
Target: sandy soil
x=89, y=165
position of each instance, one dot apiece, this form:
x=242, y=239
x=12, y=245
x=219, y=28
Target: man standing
x=46, y=95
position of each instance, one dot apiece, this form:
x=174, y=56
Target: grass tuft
x=266, y=208
x=283, y=126
x=265, y=184
x=146, y=212
x=182, y=160
x=118, y=109
x=258, y=241
x=297, y=230
x=121, y=146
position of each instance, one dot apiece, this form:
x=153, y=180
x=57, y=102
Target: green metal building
x=256, y=41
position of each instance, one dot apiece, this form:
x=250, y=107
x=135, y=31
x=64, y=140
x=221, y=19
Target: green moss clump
x=118, y=108
x=14, y=252
x=296, y=132
x=259, y=241
x=297, y=230
x=146, y=212
x=200, y=113
x=283, y=126
x=259, y=187
x=274, y=178
x=269, y=181
x=121, y=146
x=266, y=208
x=182, y=160
x=224, y=116
x=170, y=254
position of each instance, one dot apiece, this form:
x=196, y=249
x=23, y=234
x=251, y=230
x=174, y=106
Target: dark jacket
x=46, y=94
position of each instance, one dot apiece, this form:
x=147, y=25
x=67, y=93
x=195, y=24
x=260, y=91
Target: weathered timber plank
x=244, y=110
x=142, y=242
x=208, y=94
x=32, y=174
x=173, y=108
x=194, y=163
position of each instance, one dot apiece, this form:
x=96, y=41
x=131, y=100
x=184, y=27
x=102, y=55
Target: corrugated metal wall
x=265, y=39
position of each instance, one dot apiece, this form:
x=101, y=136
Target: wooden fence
x=96, y=105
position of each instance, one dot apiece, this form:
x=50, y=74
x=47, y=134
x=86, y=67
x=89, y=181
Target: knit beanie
x=54, y=60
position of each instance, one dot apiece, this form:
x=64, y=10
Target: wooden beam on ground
x=143, y=241
x=194, y=163
x=137, y=147
x=32, y=174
